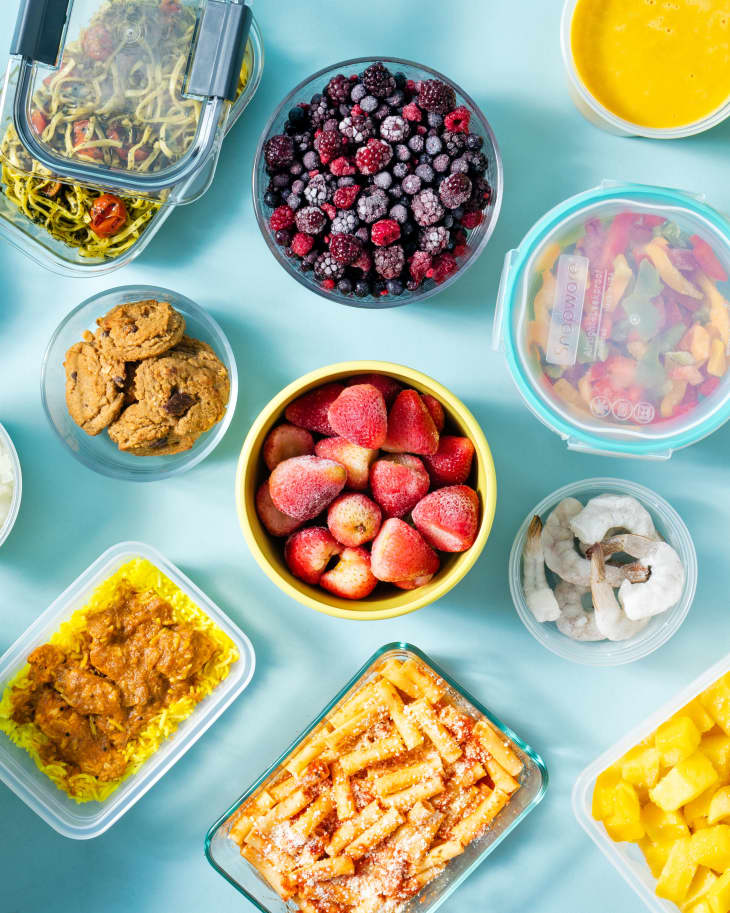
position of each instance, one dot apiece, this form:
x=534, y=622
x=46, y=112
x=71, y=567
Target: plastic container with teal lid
x=613, y=314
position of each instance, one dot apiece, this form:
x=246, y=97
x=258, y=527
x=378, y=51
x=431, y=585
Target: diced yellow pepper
x=696, y=341
x=702, y=882
x=717, y=364
x=673, y=398
x=717, y=748
x=719, y=807
x=711, y=847
x=684, y=782
x=567, y=392
x=640, y=767
x=718, y=897
x=624, y=820
x=677, y=874
x=547, y=258
x=719, y=307
x=716, y=701
x=656, y=250
x=698, y=808
x=677, y=739
x=656, y=855
x=622, y=277
x=662, y=826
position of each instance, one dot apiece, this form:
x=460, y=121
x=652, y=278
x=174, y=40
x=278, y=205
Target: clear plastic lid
x=616, y=323
x=131, y=95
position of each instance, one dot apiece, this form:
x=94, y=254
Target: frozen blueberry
x=415, y=143
x=399, y=213
x=298, y=187
x=310, y=160
x=345, y=181
x=296, y=169
x=395, y=192
x=435, y=120
x=294, y=201
x=474, y=142
x=394, y=287
x=459, y=165
x=358, y=92
x=362, y=288
x=280, y=180
x=441, y=163
x=402, y=152
x=411, y=183
x=344, y=287
x=400, y=170
x=383, y=179
x=396, y=99
x=272, y=198
x=425, y=173
x=433, y=145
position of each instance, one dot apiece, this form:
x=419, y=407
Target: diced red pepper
x=39, y=121
x=617, y=238
x=707, y=259
x=708, y=387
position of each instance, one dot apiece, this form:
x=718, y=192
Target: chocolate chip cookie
x=139, y=330
x=138, y=432
x=94, y=386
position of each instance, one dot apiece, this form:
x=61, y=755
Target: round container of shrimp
x=614, y=318
x=603, y=572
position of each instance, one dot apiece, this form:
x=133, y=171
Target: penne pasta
x=352, y=829
x=468, y=828
x=408, y=730
x=422, y=712
x=403, y=777
x=375, y=834
x=498, y=748
x=342, y=793
x=406, y=798
x=361, y=758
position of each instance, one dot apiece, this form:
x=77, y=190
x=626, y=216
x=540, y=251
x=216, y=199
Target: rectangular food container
x=224, y=856
x=18, y=771
x=627, y=858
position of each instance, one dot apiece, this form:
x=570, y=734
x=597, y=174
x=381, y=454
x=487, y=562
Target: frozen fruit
x=435, y=95
x=449, y=518
x=389, y=261
x=436, y=410
x=275, y=522
x=344, y=197
x=457, y=121
x=282, y=217
x=413, y=584
x=279, y=151
x=398, y=483
x=286, y=441
x=354, y=519
x=302, y=487
x=389, y=387
x=455, y=190
x=385, y=232
x=345, y=248
x=359, y=415
x=308, y=552
x=401, y=554
x=351, y=577
x=451, y=464
x=310, y=410
x=373, y=157
x=378, y=80
x=410, y=426
x=356, y=460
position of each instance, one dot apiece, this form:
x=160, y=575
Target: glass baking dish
x=627, y=858
x=18, y=771
x=223, y=853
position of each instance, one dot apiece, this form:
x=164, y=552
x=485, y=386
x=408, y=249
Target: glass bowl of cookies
x=139, y=383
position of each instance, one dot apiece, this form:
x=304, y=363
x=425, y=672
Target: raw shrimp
x=574, y=621
x=561, y=555
x=539, y=597
x=610, y=617
x=607, y=512
x=665, y=583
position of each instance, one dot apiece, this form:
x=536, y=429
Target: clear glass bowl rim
x=12, y=516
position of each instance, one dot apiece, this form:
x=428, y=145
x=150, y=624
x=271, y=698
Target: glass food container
x=18, y=771
x=110, y=124
x=223, y=854
x=12, y=515
x=613, y=314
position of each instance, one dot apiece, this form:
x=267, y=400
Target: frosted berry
x=372, y=204
x=311, y=220
x=389, y=261
x=455, y=190
x=301, y=244
x=282, y=217
x=279, y=152
x=328, y=144
x=373, y=157
x=369, y=104
x=338, y=88
x=326, y=267
x=345, y=222
x=457, y=121
x=378, y=80
x=394, y=129
x=385, y=232
x=411, y=184
x=412, y=112
x=427, y=208
x=317, y=190
x=357, y=128
x=344, y=197
x=434, y=239
x=419, y=265
x=435, y=95
x=345, y=248
x=342, y=167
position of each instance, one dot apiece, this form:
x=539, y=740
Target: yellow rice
x=142, y=575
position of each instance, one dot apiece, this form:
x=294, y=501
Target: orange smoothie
x=655, y=63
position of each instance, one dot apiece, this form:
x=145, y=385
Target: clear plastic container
x=594, y=314
x=223, y=854
x=477, y=238
x=672, y=529
x=9, y=522
x=32, y=238
x=600, y=116
x=17, y=769
x=627, y=858
x=100, y=453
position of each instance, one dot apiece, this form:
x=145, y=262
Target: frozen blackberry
x=361, y=288
x=311, y=220
x=369, y=104
x=329, y=144
x=433, y=240
x=357, y=128
x=279, y=152
x=394, y=128
x=326, y=267
x=411, y=184
x=416, y=143
x=474, y=142
x=378, y=80
x=372, y=204
x=460, y=165
x=383, y=179
x=358, y=92
x=345, y=248
x=345, y=222
x=319, y=111
x=317, y=191
x=427, y=208
x=433, y=145
x=441, y=163
x=425, y=173
x=338, y=88
x=478, y=162
x=454, y=143
x=389, y=261
x=399, y=213
x=455, y=190
x=434, y=95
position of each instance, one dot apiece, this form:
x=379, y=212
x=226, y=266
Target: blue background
x=506, y=55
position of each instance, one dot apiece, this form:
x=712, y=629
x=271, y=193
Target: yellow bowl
x=268, y=550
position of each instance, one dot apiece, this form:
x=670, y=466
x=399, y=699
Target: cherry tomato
x=707, y=259
x=39, y=121
x=81, y=135
x=97, y=42
x=170, y=7
x=108, y=215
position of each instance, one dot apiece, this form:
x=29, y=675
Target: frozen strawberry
x=356, y=460
x=410, y=426
x=398, y=483
x=351, y=577
x=451, y=464
x=354, y=519
x=400, y=553
x=436, y=410
x=303, y=486
x=308, y=552
x=359, y=415
x=274, y=521
x=286, y=441
x=389, y=387
x=413, y=584
x=449, y=518
x=310, y=410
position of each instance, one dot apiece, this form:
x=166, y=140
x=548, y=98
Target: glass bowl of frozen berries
x=377, y=181
x=366, y=490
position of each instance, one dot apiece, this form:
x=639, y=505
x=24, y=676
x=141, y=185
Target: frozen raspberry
x=427, y=208
x=328, y=144
x=471, y=219
x=311, y=220
x=282, y=217
x=342, y=166
x=394, y=129
x=345, y=197
x=329, y=209
x=279, y=152
x=364, y=262
x=412, y=112
x=389, y=261
x=374, y=157
x=455, y=190
x=317, y=190
x=385, y=232
x=419, y=265
x=378, y=80
x=345, y=248
x=443, y=265
x=457, y=121
x=338, y=89
x=326, y=267
x=301, y=244
x=433, y=240
x=372, y=204
x=357, y=127
x=436, y=96
x=345, y=222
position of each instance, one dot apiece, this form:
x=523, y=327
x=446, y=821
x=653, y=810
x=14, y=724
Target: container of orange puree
x=655, y=68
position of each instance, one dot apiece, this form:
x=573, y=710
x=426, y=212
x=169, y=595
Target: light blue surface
x=505, y=54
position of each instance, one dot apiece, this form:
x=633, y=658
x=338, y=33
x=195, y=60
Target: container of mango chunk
x=657, y=804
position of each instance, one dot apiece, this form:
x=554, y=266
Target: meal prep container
x=100, y=453
x=622, y=424
x=18, y=771
x=269, y=552
x=661, y=627
x=33, y=240
x=477, y=238
x=9, y=523
x=223, y=854
x=627, y=858
x=600, y=116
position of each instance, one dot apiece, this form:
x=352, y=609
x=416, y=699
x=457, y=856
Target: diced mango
x=718, y=897
x=702, y=882
x=698, y=809
x=624, y=820
x=701, y=906
x=677, y=739
x=717, y=363
x=640, y=767
x=719, y=312
x=719, y=807
x=716, y=701
x=662, y=826
x=684, y=782
x=699, y=716
x=717, y=748
x=711, y=847
x=656, y=855
x=547, y=258
x=678, y=872
x=606, y=782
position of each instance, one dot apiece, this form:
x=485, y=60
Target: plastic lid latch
x=39, y=30
x=219, y=50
